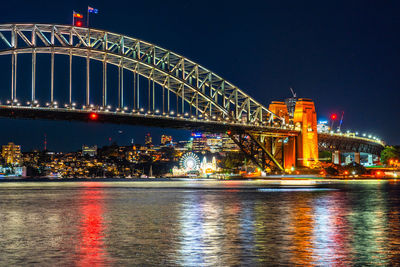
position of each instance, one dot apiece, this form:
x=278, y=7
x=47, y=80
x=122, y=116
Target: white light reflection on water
x=297, y=189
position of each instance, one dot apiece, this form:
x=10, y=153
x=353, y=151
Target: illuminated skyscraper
x=148, y=141
x=11, y=153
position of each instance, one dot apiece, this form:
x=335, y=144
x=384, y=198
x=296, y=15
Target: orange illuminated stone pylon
x=303, y=149
x=305, y=119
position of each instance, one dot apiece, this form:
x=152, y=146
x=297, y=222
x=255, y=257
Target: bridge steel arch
x=258, y=131
x=208, y=93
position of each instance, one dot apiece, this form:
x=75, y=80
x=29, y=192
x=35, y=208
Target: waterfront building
x=89, y=150
x=11, y=153
x=199, y=142
x=166, y=139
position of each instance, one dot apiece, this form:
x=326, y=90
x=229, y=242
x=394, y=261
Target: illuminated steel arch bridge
x=154, y=86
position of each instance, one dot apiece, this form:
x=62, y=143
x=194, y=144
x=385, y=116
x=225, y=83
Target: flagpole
x=87, y=23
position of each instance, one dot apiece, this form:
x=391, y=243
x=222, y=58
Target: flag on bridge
x=77, y=19
x=92, y=10
x=77, y=15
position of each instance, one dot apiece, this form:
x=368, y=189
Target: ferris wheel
x=190, y=162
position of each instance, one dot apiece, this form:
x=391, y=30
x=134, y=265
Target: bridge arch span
x=209, y=94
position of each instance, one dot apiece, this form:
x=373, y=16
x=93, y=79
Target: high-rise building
x=11, y=153
x=89, y=150
x=148, y=141
x=166, y=140
x=199, y=142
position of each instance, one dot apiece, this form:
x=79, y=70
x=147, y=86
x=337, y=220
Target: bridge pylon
x=305, y=120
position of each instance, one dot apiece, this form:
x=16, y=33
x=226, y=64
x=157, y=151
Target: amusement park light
x=109, y=107
x=356, y=133
x=186, y=114
x=141, y=109
x=157, y=111
x=348, y=131
x=172, y=113
x=8, y=101
x=333, y=116
x=73, y=104
x=369, y=136
x=125, y=108
x=28, y=103
x=364, y=134
x=213, y=117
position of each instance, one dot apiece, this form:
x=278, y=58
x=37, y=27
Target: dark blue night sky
x=342, y=54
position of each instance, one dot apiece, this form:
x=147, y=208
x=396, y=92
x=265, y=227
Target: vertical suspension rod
x=71, y=40
x=52, y=78
x=87, y=79
x=149, y=95
x=12, y=76
x=122, y=87
x=33, y=76
x=138, y=85
x=163, y=99
x=104, y=83
x=153, y=96
x=134, y=89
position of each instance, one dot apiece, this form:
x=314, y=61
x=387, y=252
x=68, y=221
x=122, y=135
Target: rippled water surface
x=192, y=223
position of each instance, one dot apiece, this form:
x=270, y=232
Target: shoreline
x=270, y=178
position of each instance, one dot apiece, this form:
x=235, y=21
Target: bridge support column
x=357, y=158
x=336, y=157
x=305, y=120
x=289, y=153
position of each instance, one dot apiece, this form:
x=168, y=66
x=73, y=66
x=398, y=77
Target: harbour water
x=200, y=223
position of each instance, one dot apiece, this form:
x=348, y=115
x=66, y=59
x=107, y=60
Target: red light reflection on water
x=91, y=247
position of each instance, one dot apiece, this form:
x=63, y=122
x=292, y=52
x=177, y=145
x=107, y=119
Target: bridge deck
x=153, y=120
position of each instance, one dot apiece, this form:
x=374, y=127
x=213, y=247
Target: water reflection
x=94, y=225
x=91, y=248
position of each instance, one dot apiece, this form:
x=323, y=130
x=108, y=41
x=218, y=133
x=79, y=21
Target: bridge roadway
x=137, y=118
x=326, y=141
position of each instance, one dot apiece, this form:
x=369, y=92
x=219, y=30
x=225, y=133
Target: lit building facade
x=166, y=140
x=148, y=141
x=89, y=150
x=11, y=153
